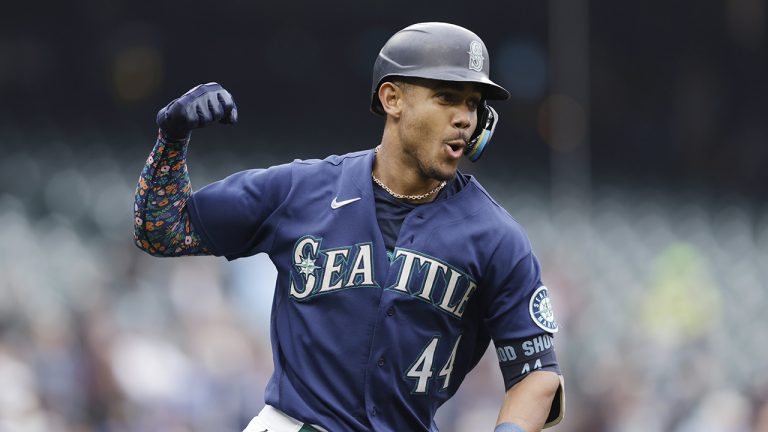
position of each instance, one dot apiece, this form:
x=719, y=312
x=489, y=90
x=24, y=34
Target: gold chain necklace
x=405, y=197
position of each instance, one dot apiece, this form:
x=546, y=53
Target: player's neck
x=401, y=175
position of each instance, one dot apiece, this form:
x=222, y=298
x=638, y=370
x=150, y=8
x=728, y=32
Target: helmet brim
x=491, y=90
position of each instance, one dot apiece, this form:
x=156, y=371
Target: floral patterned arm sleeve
x=161, y=224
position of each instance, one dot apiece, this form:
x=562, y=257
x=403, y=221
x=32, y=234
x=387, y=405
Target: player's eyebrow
x=456, y=86
x=449, y=85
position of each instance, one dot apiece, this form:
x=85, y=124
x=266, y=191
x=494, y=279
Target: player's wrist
x=508, y=427
x=172, y=138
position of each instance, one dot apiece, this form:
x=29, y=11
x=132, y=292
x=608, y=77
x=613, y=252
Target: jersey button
x=381, y=362
x=390, y=311
x=373, y=411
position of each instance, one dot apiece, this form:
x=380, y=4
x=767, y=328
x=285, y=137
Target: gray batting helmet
x=434, y=50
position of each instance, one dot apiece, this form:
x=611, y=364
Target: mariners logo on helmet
x=541, y=310
x=476, y=56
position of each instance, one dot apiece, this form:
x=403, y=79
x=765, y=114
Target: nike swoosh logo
x=336, y=204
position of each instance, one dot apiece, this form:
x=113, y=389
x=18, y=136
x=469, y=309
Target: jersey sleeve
x=512, y=281
x=520, y=317
x=238, y=216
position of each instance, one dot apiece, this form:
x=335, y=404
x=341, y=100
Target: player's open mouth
x=456, y=147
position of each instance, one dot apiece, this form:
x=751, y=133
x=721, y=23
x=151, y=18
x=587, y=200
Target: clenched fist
x=202, y=105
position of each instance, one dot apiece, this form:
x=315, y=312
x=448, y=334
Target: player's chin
x=444, y=171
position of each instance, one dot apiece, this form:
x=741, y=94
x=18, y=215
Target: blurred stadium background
x=633, y=151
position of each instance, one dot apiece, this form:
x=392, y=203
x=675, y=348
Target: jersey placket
x=382, y=369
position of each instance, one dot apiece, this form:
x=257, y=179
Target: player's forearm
x=161, y=222
x=528, y=402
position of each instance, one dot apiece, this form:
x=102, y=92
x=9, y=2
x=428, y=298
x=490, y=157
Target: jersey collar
x=355, y=180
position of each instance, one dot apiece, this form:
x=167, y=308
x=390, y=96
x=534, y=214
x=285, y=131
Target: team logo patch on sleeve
x=540, y=308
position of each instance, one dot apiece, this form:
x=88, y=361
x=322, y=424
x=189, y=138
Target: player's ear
x=391, y=98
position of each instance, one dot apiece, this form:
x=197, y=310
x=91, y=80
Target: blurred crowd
x=657, y=265
x=660, y=295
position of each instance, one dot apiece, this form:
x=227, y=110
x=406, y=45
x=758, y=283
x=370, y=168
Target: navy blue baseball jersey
x=363, y=339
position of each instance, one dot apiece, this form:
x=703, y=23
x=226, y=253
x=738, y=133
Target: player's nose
x=462, y=118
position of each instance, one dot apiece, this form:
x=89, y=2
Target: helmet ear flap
x=376, y=106
x=486, y=124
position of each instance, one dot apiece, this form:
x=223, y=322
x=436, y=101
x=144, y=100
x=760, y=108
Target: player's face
x=437, y=119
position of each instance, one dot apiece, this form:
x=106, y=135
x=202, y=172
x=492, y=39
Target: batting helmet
x=434, y=50
x=444, y=52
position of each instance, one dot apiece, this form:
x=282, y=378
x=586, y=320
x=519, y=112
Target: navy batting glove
x=200, y=106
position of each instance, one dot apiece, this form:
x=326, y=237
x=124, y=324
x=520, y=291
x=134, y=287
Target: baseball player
x=395, y=270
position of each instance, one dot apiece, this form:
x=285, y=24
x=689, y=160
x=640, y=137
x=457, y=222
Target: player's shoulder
x=330, y=164
x=496, y=216
x=491, y=206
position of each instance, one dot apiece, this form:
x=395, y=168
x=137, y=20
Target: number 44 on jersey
x=422, y=371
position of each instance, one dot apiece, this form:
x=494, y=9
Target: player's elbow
x=549, y=382
x=540, y=385
x=146, y=246
x=143, y=242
